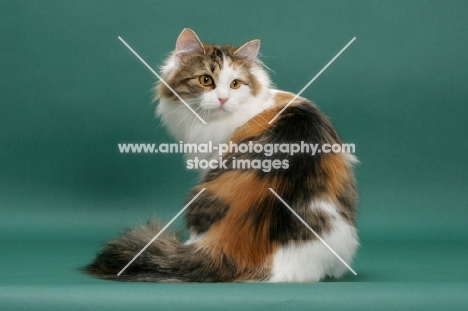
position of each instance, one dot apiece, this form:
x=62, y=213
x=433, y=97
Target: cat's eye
x=235, y=84
x=206, y=80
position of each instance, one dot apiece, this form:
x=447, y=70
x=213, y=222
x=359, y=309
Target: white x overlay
x=198, y=194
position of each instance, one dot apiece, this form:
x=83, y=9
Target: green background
x=71, y=91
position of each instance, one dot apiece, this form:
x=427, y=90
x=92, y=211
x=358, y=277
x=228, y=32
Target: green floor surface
x=391, y=276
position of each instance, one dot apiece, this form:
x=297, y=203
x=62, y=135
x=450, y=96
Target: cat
x=239, y=230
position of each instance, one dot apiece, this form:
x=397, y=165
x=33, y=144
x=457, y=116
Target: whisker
x=191, y=104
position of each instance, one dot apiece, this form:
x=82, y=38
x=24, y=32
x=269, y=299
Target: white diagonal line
x=313, y=79
x=161, y=79
x=160, y=232
x=315, y=233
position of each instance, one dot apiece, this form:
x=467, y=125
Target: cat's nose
x=222, y=100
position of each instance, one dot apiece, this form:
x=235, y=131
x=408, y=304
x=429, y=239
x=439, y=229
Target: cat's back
x=284, y=152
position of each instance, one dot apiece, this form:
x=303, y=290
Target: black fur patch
x=217, y=57
x=348, y=199
x=205, y=211
x=284, y=226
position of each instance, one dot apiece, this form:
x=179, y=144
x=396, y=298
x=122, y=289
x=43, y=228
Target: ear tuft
x=188, y=43
x=249, y=50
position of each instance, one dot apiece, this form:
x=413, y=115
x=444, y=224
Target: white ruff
x=312, y=261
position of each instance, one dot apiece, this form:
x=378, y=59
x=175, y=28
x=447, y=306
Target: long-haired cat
x=239, y=229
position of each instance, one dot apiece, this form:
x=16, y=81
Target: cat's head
x=218, y=82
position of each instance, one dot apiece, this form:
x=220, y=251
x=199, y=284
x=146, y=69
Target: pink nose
x=223, y=100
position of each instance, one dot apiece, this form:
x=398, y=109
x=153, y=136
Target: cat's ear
x=249, y=50
x=188, y=43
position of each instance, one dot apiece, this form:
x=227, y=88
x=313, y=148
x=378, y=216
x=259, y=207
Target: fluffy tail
x=165, y=260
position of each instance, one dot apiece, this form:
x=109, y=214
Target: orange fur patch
x=283, y=98
x=239, y=235
x=255, y=126
x=337, y=172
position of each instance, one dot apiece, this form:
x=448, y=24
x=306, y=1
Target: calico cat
x=239, y=229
